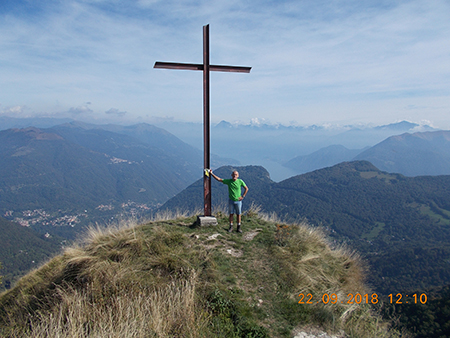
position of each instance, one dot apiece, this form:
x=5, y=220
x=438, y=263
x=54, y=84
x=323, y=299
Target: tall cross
x=206, y=68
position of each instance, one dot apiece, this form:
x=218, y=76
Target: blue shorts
x=235, y=207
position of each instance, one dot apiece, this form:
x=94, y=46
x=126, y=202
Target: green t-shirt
x=234, y=188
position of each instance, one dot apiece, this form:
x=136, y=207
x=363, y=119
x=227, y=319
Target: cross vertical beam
x=206, y=123
x=206, y=67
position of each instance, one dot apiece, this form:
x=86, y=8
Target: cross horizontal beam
x=195, y=66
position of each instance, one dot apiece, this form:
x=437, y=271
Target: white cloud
x=115, y=112
x=80, y=110
x=15, y=111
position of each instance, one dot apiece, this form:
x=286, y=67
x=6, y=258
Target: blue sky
x=313, y=62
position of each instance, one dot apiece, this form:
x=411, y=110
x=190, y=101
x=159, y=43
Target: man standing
x=234, y=193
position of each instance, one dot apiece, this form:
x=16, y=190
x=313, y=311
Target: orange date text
x=332, y=298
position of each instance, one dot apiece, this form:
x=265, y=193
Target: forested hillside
x=77, y=169
x=21, y=250
x=429, y=318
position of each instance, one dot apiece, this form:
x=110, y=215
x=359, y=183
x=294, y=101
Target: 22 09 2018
x=362, y=298
x=334, y=299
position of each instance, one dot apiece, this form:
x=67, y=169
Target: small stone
x=206, y=220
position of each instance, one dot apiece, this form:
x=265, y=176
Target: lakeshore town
x=62, y=218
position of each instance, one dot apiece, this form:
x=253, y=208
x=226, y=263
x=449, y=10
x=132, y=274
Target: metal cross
x=206, y=68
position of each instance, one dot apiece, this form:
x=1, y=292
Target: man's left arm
x=245, y=193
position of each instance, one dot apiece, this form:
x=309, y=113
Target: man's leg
x=231, y=223
x=238, y=206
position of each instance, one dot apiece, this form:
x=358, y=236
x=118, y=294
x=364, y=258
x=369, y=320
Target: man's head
x=235, y=175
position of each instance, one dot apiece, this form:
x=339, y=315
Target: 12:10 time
x=422, y=298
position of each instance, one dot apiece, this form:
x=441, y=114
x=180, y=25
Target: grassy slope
x=171, y=279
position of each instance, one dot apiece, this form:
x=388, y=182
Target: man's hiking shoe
x=238, y=229
x=230, y=229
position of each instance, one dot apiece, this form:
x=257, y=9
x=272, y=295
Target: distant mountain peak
x=417, y=154
x=224, y=124
x=402, y=125
x=263, y=124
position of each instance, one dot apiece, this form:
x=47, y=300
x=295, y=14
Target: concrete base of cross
x=206, y=220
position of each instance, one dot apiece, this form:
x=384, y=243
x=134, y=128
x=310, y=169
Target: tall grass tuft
x=167, y=311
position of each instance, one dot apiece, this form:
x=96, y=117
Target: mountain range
x=272, y=145
x=401, y=225
x=261, y=143
x=417, y=154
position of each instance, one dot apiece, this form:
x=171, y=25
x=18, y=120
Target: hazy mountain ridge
x=272, y=145
x=262, y=124
x=417, y=154
x=426, y=153
x=324, y=157
x=260, y=142
x=8, y=122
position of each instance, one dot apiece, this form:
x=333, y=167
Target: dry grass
x=155, y=280
x=119, y=280
x=167, y=215
x=168, y=311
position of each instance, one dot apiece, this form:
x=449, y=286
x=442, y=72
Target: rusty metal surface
x=234, y=69
x=178, y=65
x=206, y=122
x=197, y=66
